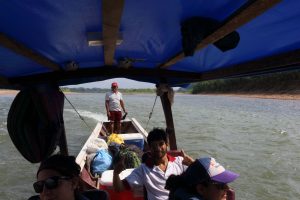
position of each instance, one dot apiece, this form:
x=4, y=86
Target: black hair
x=188, y=180
x=157, y=134
x=65, y=165
x=196, y=174
x=174, y=182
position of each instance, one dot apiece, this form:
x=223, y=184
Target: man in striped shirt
x=155, y=170
x=114, y=105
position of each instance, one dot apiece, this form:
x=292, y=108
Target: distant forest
x=277, y=83
x=101, y=90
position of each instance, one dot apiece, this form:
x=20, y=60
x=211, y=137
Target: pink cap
x=114, y=84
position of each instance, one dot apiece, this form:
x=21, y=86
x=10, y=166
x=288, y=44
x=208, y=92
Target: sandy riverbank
x=263, y=96
x=9, y=92
x=14, y=92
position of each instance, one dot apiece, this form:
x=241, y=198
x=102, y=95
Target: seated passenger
x=205, y=179
x=154, y=172
x=58, y=178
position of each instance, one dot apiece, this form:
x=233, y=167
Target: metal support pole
x=169, y=120
x=63, y=146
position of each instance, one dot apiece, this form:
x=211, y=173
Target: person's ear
x=167, y=146
x=201, y=189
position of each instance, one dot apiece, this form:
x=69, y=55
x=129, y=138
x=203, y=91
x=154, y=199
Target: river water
x=258, y=138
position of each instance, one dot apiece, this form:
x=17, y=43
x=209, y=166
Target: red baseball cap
x=114, y=84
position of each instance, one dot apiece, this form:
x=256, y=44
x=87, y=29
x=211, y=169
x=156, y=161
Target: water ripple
x=257, y=138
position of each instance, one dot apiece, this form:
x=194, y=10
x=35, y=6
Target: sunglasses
x=49, y=183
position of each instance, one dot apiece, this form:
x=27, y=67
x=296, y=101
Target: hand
x=108, y=115
x=187, y=160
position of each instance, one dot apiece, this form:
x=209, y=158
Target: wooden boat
x=63, y=43
x=128, y=127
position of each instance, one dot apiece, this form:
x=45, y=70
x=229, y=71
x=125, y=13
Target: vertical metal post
x=63, y=146
x=169, y=120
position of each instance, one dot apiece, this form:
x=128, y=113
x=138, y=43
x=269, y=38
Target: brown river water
x=257, y=138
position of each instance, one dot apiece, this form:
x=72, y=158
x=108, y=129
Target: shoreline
x=8, y=92
x=257, y=95
x=4, y=92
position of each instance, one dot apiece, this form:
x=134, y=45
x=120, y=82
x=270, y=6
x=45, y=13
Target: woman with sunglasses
x=58, y=178
x=204, y=179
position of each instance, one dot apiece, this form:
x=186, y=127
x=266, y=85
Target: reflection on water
x=257, y=138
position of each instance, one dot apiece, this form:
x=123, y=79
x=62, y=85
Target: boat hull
x=88, y=181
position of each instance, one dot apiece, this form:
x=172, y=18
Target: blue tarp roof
x=151, y=34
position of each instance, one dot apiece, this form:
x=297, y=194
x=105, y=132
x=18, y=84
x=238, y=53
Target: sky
x=122, y=82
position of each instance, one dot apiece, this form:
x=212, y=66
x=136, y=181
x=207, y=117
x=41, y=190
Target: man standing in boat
x=114, y=105
x=157, y=166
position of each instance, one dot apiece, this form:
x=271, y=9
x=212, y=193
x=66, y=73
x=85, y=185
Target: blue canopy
x=48, y=41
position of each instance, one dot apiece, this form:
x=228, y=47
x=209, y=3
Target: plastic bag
x=95, y=145
x=115, y=138
x=102, y=161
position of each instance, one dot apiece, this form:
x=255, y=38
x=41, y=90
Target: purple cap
x=207, y=169
x=216, y=171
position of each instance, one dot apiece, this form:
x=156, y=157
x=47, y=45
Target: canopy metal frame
x=112, y=14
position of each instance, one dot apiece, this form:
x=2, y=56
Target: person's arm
x=134, y=181
x=187, y=160
x=123, y=106
x=117, y=182
x=107, y=108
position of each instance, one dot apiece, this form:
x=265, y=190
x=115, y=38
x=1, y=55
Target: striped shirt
x=154, y=179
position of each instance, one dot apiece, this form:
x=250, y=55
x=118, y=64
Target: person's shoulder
x=81, y=197
x=178, y=159
x=175, y=159
x=140, y=167
x=182, y=193
x=109, y=93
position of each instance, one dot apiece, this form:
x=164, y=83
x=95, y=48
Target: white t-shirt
x=154, y=179
x=114, y=100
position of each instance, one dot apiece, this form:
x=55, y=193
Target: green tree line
x=284, y=82
x=104, y=90
x=276, y=83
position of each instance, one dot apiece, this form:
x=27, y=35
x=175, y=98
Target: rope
x=77, y=112
x=150, y=114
